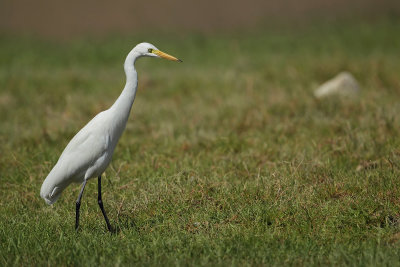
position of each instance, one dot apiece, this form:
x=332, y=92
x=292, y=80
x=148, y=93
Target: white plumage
x=86, y=156
x=90, y=151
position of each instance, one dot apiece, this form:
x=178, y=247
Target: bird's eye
x=150, y=50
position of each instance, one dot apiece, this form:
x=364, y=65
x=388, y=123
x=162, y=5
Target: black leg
x=78, y=205
x=100, y=201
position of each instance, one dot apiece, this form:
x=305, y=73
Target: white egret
x=90, y=151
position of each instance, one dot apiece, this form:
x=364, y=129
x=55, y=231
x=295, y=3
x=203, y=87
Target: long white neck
x=124, y=102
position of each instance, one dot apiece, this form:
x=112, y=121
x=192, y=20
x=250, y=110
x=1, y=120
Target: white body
x=90, y=151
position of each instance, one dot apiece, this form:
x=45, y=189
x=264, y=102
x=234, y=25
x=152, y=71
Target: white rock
x=343, y=84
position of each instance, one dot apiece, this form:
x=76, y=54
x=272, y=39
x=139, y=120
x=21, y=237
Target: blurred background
x=227, y=157
x=61, y=19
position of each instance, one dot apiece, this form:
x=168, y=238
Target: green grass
x=227, y=159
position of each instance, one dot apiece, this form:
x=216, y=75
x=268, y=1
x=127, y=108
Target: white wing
x=85, y=148
x=84, y=153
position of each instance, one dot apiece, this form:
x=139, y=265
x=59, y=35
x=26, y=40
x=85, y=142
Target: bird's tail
x=50, y=195
x=51, y=190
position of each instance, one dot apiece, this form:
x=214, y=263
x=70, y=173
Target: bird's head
x=149, y=50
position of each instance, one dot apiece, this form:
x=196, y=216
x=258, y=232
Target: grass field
x=227, y=159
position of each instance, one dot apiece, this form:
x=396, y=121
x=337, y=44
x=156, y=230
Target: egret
x=90, y=151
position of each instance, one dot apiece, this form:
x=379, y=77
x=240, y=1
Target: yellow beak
x=166, y=56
